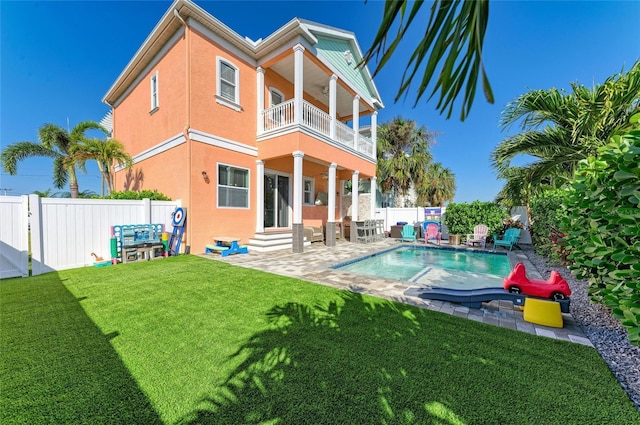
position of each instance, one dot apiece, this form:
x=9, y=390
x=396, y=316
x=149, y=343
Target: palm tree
x=516, y=190
x=560, y=129
x=436, y=186
x=403, y=153
x=106, y=153
x=54, y=142
x=453, y=39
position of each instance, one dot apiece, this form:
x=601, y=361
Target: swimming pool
x=445, y=268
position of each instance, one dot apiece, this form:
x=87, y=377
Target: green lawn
x=193, y=341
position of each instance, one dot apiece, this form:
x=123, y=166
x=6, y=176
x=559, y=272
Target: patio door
x=277, y=210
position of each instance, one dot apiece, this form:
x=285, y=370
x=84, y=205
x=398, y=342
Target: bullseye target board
x=179, y=221
x=179, y=217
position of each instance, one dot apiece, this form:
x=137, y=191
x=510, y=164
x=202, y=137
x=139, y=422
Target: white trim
x=260, y=196
x=156, y=59
x=286, y=48
x=218, y=164
x=163, y=146
x=235, y=103
x=155, y=97
x=225, y=102
x=232, y=145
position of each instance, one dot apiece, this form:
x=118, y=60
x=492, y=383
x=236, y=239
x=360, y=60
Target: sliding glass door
x=276, y=201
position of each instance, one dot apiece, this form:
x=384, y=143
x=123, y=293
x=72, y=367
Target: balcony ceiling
x=314, y=81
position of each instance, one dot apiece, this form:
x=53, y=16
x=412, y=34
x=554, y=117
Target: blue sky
x=58, y=59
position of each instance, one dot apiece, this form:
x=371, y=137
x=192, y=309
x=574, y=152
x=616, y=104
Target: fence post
x=37, y=243
x=146, y=211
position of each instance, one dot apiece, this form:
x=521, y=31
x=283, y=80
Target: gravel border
x=605, y=332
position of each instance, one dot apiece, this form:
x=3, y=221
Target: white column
x=259, y=196
x=332, y=105
x=354, y=195
x=260, y=91
x=356, y=121
x=374, y=181
x=297, y=187
x=298, y=70
x=331, y=207
x=374, y=133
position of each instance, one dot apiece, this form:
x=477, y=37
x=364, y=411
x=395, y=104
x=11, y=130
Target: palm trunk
x=104, y=172
x=73, y=183
x=109, y=179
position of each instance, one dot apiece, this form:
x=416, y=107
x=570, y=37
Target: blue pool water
x=445, y=268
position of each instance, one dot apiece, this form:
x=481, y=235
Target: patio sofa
x=313, y=234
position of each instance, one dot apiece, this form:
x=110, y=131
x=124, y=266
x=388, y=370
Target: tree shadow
x=133, y=180
x=319, y=365
x=358, y=361
x=57, y=366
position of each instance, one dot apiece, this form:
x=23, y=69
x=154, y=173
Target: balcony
x=282, y=116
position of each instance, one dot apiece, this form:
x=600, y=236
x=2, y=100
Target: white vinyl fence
x=391, y=216
x=64, y=232
x=14, y=239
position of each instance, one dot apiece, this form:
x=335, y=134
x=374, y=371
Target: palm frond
x=16, y=152
x=452, y=48
x=54, y=137
x=60, y=173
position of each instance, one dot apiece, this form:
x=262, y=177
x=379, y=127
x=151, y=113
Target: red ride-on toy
x=555, y=288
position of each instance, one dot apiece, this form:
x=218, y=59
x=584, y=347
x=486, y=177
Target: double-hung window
x=228, y=87
x=233, y=187
x=154, y=92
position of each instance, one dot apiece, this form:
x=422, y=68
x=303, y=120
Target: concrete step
x=271, y=241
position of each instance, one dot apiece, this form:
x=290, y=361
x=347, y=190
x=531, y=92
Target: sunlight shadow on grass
x=56, y=365
x=316, y=365
x=362, y=361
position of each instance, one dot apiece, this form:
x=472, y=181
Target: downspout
x=187, y=126
x=112, y=136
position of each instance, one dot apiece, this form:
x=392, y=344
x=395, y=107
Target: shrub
x=547, y=212
x=154, y=195
x=460, y=219
x=604, y=228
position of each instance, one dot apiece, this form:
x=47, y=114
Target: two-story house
x=251, y=136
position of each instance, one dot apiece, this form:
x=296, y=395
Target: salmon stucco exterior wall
x=194, y=110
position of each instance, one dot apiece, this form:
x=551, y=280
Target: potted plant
x=454, y=219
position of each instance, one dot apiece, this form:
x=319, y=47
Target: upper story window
x=233, y=187
x=155, y=104
x=228, y=87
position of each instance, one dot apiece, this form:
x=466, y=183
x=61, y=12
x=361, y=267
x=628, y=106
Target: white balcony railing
x=283, y=115
x=316, y=119
x=278, y=116
x=365, y=145
x=344, y=134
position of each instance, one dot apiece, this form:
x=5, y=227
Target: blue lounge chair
x=408, y=233
x=509, y=239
